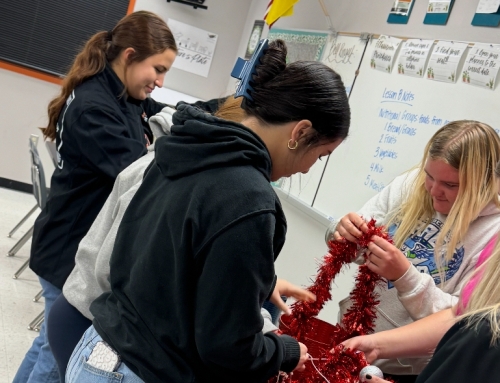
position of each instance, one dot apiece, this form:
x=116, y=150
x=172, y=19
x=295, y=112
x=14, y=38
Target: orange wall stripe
x=30, y=72
x=43, y=76
x=131, y=6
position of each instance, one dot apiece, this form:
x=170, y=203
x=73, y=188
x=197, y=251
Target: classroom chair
x=39, y=191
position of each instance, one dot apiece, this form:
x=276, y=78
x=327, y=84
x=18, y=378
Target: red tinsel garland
x=341, y=366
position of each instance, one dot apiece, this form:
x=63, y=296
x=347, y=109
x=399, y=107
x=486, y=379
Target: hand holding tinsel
x=341, y=365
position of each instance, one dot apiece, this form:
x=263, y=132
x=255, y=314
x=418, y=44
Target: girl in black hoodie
x=194, y=255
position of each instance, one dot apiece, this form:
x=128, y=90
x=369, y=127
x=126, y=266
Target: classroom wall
x=24, y=100
x=371, y=16
x=23, y=108
x=305, y=238
x=223, y=18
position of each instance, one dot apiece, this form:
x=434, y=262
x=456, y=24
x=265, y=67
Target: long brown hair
x=143, y=31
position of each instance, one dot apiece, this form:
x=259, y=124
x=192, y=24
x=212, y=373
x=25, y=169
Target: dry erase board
x=393, y=117
x=343, y=54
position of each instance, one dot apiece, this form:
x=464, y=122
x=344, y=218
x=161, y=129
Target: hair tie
x=109, y=36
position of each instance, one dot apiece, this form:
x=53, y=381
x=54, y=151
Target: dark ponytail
x=303, y=90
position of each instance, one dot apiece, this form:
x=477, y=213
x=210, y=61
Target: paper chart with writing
x=439, y=6
x=195, y=46
x=401, y=7
x=413, y=57
x=384, y=53
x=487, y=6
x=343, y=54
x=482, y=65
x=444, y=61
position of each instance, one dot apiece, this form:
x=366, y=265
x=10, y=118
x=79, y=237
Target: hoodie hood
x=200, y=141
x=160, y=124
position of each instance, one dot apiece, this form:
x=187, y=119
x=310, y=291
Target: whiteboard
x=343, y=54
x=393, y=117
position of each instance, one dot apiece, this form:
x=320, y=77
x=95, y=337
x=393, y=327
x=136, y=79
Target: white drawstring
x=316, y=368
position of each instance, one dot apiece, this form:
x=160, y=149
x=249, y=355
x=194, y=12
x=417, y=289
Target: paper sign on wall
x=442, y=6
x=444, y=61
x=487, y=6
x=481, y=65
x=384, y=53
x=401, y=7
x=414, y=53
x=195, y=46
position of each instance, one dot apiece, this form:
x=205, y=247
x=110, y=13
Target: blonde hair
x=484, y=301
x=231, y=110
x=471, y=147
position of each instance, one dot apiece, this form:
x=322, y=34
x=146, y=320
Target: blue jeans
x=79, y=371
x=39, y=365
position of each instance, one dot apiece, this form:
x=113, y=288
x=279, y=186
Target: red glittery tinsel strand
x=341, y=366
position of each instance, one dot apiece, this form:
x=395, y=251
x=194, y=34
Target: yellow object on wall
x=277, y=9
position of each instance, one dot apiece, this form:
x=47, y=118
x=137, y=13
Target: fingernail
x=368, y=376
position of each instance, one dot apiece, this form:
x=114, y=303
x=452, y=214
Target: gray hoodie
x=90, y=277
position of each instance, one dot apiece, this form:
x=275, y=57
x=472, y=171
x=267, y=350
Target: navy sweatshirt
x=194, y=258
x=99, y=133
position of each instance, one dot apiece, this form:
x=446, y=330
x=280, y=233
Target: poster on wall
x=413, y=57
x=439, y=6
x=444, y=61
x=482, y=65
x=302, y=45
x=487, y=6
x=385, y=53
x=195, y=46
x=401, y=7
x=253, y=41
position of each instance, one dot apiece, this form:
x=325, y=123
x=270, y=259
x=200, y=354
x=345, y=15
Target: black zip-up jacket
x=99, y=133
x=193, y=261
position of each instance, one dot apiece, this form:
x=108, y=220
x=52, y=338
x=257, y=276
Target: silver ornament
x=370, y=370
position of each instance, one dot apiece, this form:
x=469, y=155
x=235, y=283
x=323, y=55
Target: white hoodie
x=415, y=295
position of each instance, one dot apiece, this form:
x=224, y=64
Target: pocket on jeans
x=91, y=374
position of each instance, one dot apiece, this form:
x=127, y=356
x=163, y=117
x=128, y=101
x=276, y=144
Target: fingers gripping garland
x=341, y=366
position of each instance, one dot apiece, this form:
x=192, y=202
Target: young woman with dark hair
x=193, y=259
x=99, y=124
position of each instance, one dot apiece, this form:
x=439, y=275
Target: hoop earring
x=294, y=146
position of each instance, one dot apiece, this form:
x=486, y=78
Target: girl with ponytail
x=99, y=123
x=205, y=225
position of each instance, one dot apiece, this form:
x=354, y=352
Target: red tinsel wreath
x=341, y=366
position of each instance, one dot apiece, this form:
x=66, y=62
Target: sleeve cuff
x=408, y=281
x=268, y=321
x=292, y=354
